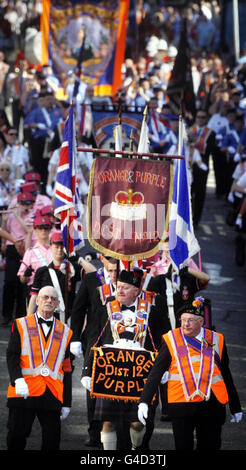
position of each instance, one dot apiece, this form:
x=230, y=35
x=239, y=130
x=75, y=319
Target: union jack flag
x=68, y=205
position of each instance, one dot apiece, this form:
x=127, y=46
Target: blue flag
x=182, y=242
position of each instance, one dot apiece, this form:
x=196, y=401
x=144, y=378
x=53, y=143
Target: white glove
x=240, y=195
x=164, y=378
x=237, y=157
x=203, y=167
x=51, y=134
x=42, y=126
x=64, y=412
x=219, y=136
x=230, y=197
x=143, y=412
x=76, y=348
x=237, y=417
x=86, y=382
x=21, y=388
x=239, y=222
x=49, y=190
x=231, y=149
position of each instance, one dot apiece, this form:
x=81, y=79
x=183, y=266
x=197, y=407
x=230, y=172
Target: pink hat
x=30, y=187
x=25, y=198
x=56, y=237
x=47, y=210
x=32, y=176
x=41, y=221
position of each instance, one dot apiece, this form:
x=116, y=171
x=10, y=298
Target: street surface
x=226, y=290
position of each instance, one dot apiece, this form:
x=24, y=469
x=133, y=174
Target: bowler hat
x=131, y=277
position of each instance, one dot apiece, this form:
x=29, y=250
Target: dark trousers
x=229, y=172
x=198, y=192
x=13, y=289
x=17, y=113
x=94, y=429
x=220, y=170
x=206, y=423
x=20, y=425
x=39, y=163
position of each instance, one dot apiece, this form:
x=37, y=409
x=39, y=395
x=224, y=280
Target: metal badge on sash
x=45, y=371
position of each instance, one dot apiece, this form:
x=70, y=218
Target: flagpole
x=67, y=270
x=180, y=140
x=131, y=141
x=120, y=115
x=128, y=153
x=67, y=250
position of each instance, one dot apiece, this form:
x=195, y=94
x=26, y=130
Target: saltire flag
x=182, y=242
x=68, y=206
x=180, y=86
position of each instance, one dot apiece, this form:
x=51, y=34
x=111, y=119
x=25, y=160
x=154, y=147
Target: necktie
x=125, y=307
x=46, y=322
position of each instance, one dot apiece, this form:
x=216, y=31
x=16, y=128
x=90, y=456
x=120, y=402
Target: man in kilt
x=117, y=323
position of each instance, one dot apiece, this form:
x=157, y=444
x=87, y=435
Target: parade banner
x=120, y=374
x=104, y=123
x=128, y=206
x=97, y=28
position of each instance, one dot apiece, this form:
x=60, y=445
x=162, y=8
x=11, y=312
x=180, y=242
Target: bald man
x=38, y=359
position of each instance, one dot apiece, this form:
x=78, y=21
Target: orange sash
x=198, y=381
x=39, y=355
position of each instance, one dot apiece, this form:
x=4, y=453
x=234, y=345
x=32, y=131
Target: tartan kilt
x=115, y=410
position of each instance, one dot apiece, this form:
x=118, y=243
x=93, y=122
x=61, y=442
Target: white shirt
x=107, y=278
x=45, y=327
x=242, y=181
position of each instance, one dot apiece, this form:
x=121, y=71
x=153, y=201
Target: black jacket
x=189, y=286
x=162, y=365
x=47, y=400
x=158, y=325
x=83, y=306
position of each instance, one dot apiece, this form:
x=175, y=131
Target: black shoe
x=92, y=443
x=240, y=250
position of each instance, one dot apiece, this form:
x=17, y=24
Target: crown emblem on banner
x=128, y=205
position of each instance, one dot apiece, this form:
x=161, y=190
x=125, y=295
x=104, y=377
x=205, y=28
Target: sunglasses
x=4, y=169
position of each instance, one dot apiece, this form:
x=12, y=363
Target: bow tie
x=46, y=322
x=125, y=307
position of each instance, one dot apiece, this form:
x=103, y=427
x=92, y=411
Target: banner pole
x=129, y=153
x=67, y=270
